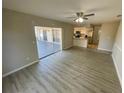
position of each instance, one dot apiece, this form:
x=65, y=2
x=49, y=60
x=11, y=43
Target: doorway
x=93, y=41
x=49, y=40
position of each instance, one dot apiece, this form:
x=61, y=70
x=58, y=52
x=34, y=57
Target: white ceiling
x=105, y=10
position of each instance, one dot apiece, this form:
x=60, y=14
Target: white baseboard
x=104, y=49
x=116, y=67
x=15, y=70
x=68, y=47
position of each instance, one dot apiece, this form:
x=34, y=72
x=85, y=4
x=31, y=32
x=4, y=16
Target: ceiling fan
x=81, y=17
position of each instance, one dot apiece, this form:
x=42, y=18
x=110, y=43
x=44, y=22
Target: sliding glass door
x=48, y=40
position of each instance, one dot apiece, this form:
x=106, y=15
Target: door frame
x=61, y=34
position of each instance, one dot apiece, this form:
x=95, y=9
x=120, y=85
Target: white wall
x=117, y=52
x=107, y=35
x=19, y=46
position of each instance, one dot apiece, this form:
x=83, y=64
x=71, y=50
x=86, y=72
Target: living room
x=89, y=58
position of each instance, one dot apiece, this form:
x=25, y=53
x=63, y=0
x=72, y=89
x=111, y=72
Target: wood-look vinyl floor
x=70, y=71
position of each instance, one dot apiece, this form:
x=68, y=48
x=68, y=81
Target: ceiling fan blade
x=79, y=14
x=74, y=19
x=89, y=15
x=85, y=18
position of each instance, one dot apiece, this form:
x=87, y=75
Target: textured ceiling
x=105, y=10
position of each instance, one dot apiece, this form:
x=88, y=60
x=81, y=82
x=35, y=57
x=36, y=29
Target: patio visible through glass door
x=48, y=40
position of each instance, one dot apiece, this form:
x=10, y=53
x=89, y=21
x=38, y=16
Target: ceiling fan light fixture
x=79, y=20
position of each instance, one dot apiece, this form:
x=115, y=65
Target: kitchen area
x=87, y=37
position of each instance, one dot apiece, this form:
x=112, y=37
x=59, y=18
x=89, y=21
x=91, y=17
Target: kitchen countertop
x=80, y=38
